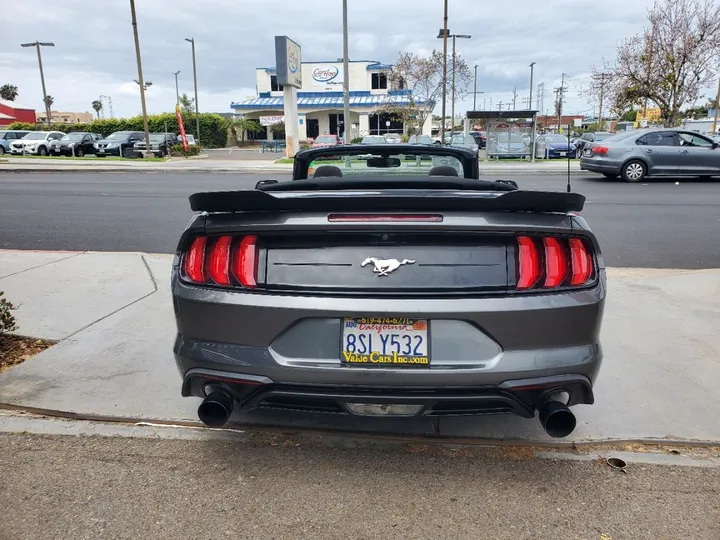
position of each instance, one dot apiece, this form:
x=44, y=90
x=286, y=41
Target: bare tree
x=670, y=62
x=422, y=78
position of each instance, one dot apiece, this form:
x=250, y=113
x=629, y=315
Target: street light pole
x=452, y=86
x=346, y=78
x=475, y=90
x=177, y=92
x=444, y=77
x=532, y=66
x=140, y=81
x=37, y=45
x=197, y=111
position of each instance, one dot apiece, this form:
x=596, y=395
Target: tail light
x=552, y=262
x=227, y=261
x=599, y=149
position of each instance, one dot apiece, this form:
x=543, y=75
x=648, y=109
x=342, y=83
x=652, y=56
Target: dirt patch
x=15, y=350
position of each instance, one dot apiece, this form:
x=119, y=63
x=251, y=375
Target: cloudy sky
x=94, y=52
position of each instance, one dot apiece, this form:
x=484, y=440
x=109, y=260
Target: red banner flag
x=182, y=128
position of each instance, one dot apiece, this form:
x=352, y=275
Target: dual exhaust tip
x=555, y=417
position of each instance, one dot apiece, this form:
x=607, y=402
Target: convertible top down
x=389, y=281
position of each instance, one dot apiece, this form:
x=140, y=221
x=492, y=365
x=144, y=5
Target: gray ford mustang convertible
x=399, y=284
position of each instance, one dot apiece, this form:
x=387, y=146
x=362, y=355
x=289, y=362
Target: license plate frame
x=563, y=154
x=375, y=358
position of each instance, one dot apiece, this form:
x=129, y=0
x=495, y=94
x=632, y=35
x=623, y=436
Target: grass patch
x=86, y=158
x=285, y=160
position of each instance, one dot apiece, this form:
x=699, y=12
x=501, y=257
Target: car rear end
x=606, y=157
x=389, y=313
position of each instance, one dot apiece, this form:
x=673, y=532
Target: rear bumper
x=595, y=165
x=518, y=396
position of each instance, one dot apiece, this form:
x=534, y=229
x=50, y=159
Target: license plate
x=101, y=151
x=385, y=341
x=563, y=154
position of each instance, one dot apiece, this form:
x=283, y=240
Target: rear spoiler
x=386, y=200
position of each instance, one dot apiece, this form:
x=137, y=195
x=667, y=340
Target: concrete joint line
x=152, y=278
x=44, y=264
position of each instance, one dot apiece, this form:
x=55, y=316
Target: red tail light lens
x=529, y=263
x=555, y=263
x=581, y=262
x=245, y=268
x=195, y=260
x=226, y=261
x=219, y=262
x=562, y=262
x=599, y=149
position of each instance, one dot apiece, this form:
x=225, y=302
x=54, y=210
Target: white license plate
x=563, y=154
x=101, y=151
x=385, y=341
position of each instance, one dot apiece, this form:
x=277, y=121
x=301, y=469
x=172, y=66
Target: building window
x=379, y=81
x=274, y=86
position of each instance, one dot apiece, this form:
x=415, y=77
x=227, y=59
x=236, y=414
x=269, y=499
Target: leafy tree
x=669, y=62
x=98, y=106
x=278, y=129
x=423, y=79
x=239, y=127
x=187, y=105
x=629, y=115
x=9, y=92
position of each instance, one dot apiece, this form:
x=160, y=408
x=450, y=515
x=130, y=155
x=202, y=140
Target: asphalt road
x=92, y=487
x=655, y=225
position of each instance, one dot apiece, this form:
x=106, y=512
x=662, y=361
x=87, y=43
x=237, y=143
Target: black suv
x=160, y=144
x=120, y=144
x=77, y=143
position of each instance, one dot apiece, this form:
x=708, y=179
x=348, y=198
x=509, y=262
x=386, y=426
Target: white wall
x=360, y=78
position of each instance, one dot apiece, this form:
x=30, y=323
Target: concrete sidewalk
x=113, y=316
x=247, y=165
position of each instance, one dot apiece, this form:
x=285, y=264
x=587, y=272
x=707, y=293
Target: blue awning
x=333, y=100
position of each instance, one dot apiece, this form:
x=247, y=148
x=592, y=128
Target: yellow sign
x=651, y=115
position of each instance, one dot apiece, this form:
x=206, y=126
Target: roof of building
x=15, y=105
x=328, y=100
x=6, y=117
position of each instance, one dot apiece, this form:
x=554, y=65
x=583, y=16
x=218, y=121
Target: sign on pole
x=288, y=64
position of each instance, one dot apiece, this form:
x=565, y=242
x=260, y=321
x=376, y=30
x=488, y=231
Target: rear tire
x=79, y=152
x=2, y=150
x=634, y=171
x=42, y=151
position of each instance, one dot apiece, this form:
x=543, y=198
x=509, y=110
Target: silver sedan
x=635, y=155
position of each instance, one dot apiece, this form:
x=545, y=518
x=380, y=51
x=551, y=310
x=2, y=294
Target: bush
x=178, y=150
x=405, y=138
x=304, y=145
x=7, y=319
x=213, y=127
x=356, y=140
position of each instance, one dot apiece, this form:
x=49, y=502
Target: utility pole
x=601, y=77
x=140, y=81
x=37, y=45
x=177, y=91
x=346, y=78
x=647, y=67
x=444, y=91
x=525, y=102
x=532, y=69
x=514, y=97
x=500, y=105
x=559, y=101
x=717, y=108
x=475, y=90
x=197, y=111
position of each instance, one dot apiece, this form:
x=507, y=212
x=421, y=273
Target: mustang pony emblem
x=383, y=267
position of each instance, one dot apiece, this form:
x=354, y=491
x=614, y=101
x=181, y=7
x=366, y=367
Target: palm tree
x=8, y=91
x=240, y=126
x=49, y=100
x=97, y=105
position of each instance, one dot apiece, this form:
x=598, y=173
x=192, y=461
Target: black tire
x=2, y=150
x=42, y=151
x=634, y=171
x=100, y=155
x=79, y=152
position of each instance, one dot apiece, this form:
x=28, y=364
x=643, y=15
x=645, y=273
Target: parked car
x=508, y=145
x=35, y=142
x=7, y=137
x=190, y=139
x=119, y=144
x=392, y=138
x=77, y=143
x=420, y=139
x=500, y=315
x=634, y=155
x=160, y=144
x=322, y=141
x=480, y=138
x=464, y=141
x=373, y=139
x=554, y=146
x=591, y=137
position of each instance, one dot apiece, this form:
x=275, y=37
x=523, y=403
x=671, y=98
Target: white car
x=35, y=142
x=393, y=138
x=190, y=139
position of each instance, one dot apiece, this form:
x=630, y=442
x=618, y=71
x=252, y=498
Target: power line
x=602, y=77
x=514, y=97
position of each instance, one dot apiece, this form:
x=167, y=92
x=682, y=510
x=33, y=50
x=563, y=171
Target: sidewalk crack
x=44, y=264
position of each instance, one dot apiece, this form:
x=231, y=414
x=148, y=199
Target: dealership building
x=320, y=100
